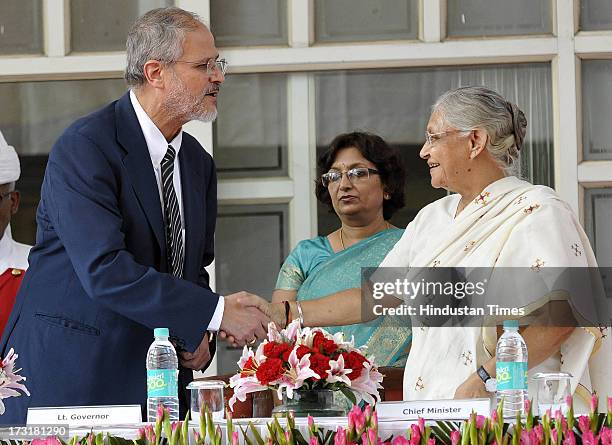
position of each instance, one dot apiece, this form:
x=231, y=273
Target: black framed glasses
x=211, y=66
x=354, y=175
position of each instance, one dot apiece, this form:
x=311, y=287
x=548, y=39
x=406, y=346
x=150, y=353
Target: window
x=21, y=27
x=361, y=20
x=248, y=22
x=98, y=26
x=598, y=214
x=476, y=18
x=596, y=102
x=251, y=129
x=595, y=15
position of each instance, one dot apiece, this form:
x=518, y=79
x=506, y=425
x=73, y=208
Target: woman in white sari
x=496, y=220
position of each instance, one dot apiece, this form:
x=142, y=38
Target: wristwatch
x=489, y=382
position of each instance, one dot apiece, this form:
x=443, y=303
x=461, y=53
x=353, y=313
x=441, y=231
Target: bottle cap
x=511, y=324
x=161, y=332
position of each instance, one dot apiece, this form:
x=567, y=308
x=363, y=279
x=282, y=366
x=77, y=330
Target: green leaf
x=349, y=394
x=258, y=437
x=245, y=436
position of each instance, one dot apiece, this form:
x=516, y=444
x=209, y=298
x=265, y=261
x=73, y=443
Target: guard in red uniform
x=13, y=255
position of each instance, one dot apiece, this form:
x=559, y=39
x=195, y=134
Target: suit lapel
x=138, y=164
x=193, y=205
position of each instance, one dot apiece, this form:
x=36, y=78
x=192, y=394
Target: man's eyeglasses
x=353, y=175
x=430, y=138
x=211, y=67
x=4, y=195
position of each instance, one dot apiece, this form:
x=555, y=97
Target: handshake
x=245, y=320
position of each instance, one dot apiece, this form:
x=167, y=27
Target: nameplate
x=433, y=409
x=74, y=416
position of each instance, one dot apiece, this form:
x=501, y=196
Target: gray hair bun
x=519, y=124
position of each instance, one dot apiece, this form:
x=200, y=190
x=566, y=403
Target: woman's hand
x=472, y=388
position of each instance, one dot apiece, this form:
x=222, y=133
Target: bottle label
x=162, y=383
x=511, y=375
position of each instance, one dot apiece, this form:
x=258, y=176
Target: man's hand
x=242, y=323
x=199, y=357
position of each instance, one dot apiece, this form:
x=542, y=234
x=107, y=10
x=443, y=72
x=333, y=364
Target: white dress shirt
x=157, y=145
x=13, y=255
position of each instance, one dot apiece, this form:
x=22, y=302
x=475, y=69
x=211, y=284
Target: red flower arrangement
x=295, y=358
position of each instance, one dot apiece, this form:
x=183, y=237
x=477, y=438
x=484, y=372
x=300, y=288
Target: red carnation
x=322, y=344
x=269, y=371
x=248, y=368
x=354, y=360
x=319, y=364
x=301, y=351
x=277, y=350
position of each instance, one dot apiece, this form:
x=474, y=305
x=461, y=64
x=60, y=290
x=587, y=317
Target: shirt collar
x=156, y=142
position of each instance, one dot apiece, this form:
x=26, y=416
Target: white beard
x=182, y=105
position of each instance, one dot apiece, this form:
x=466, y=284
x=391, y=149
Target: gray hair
x=473, y=107
x=157, y=35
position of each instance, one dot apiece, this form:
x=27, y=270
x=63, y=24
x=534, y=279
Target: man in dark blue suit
x=126, y=226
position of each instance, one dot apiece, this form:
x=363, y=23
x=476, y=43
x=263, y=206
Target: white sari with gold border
x=512, y=223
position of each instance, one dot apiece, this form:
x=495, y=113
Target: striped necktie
x=172, y=216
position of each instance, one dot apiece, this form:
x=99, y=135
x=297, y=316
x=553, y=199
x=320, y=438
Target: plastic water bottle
x=162, y=376
x=511, y=370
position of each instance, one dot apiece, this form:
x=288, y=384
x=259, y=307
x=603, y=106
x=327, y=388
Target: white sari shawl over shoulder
x=512, y=223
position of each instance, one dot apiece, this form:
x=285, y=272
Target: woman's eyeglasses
x=353, y=175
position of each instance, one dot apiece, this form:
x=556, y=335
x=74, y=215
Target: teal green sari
x=314, y=270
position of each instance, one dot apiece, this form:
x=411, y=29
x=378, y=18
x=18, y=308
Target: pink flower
x=175, y=425
x=594, y=402
x=569, y=401
x=605, y=435
x=141, y=433
x=196, y=436
x=584, y=424
x=243, y=386
x=558, y=415
x=337, y=372
x=292, y=331
x=455, y=436
x=589, y=438
x=526, y=438
x=372, y=436
x=340, y=437
x=554, y=434
x=480, y=422
x=313, y=441
x=421, y=425
x=299, y=370
x=400, y=440
x=9, y=380
x=160, y=413
x=570, y=438
x=51, y=440
x=368, y=383
x=494, y=416
x=539, y=432
x=610, y=404
x=234, y=437
x=310, y=421
x=431, y=441
x=90, y=439
x=527, y=405
x=415, y=437
x=356, y=419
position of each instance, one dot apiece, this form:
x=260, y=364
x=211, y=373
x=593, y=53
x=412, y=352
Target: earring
x=386, y=196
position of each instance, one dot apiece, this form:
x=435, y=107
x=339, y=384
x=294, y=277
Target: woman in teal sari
x=361, y=178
